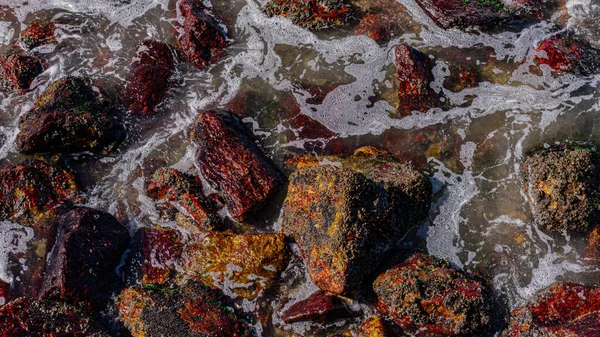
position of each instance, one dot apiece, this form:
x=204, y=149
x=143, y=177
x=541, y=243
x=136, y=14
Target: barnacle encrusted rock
x=17, y=71
x=414, y=81
x=311, y=14
x=38, y=34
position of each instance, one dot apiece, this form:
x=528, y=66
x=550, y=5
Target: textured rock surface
x=345, y=219
x=38, y=34
x=565, y=53
x=150, y=77
x=562, y=186
x=311, y=14
x=564, y=309
x=320, y=307
x=375, y=326
x=192, y=310
x=17, y=71
x=231, y=162
x=245, y=264
x=414, y=81
x=425, y=296
x=384, y=20
x=69, y=117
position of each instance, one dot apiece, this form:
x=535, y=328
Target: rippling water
x=473, y=149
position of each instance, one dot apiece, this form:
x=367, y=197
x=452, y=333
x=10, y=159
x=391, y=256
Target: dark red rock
x=426, y=296
x=564, y=53
x=562, y=310
x=203, y=40
x=33, y=193
x=38, y=34
x=152, y=256
x=150, y=79
x=37, y=318
x=414, y=81
x=17, y=71
x=185, y=190
x=81, y=266
x=233, y=164
x=69, y=117
x=192, y=310
x=320, y=307
x=311, y=14
x=592, y=249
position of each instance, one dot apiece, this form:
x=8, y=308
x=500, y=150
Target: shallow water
x=472, y=149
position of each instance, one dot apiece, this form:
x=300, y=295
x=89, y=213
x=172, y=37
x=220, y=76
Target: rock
x=192, y=310
x=425, y=295
x=320, y=307
x=414, y=81
x=69, y=117
x=38, y=318
x=37, y=34
x=233, y=164
x=203, y=40
x=346, y=218
x=311, y=14
x=562, y=186
x=592, y=250
x=150, y=78
x=185, y=191
x=17, y=71
x=244, y=264
x=564, y=309
x=35, y=194
x=384, y=20
x=81, y=266
x=152, y=256
x=462, y=77
x=375, y=326
x=564, y=53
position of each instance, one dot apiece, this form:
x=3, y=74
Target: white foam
x=13, y=240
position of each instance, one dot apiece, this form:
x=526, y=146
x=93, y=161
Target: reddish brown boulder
x=414, y=81
x=564, y=309
x=345, y=219
x=185, y=191
x=233, y=164
x=17, y=71
x=37, y=318
x=81, y=266
x=192, y=310
x=384, y=20
x=152, y=256
x=592, y=250
x=311, y=14
x=69, y=117
x=38, y=34
x=245, y=264
x=375, y=326
x=564, y=53
x=320, y=307
x=426, y=296
x=203, y=40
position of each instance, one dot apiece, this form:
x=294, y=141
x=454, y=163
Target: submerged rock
x=562, y=186
x=564, y=309
x=564, y=53
x=384, y=20
x=185, y=190
x=375, y=326
x=69, y=117
x=245, y=264
x=320, y=307
x=345, y=219
x=192, y=310
x=414, y=80
x=231, y=162
x=202, y=40
x=150, y=79
x=38, y=318
x=17, y=71
x=425, y=295
x=311, y=14
x=81, y=266
x=37, y=34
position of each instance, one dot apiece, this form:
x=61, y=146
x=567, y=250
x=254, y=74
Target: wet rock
x=185, y=191
x=202, y=40
x=384, y=20
x=233, y=164
x=38, y=318
x=346, y=218
x=311, y=14
x=150, y=79
x=462, y=77
x=375, y=326
x=564, y=309
x=426, y=296
x=81, y=266
x=414, y=81
x=562, y=187
x=320, y=307
x=37, y=34
x=245, y=264
x=152, y=256
x=69, y=117
x=34, y=193
x=565, y=53
x=192, y=310
x=592, y=250
x=17, y=71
